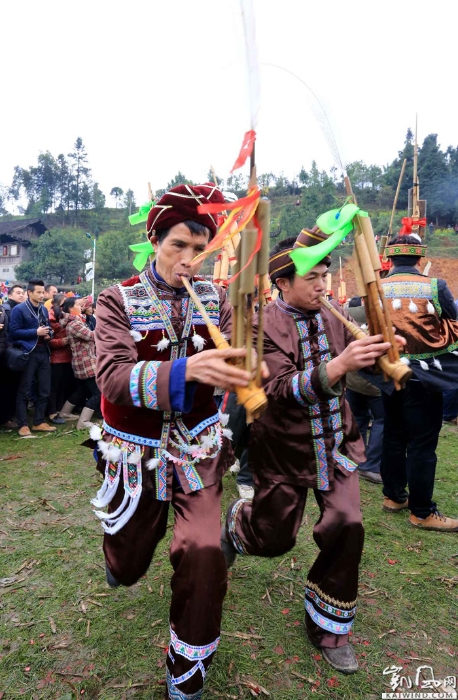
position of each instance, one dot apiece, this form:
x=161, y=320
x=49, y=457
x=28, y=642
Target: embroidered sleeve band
x=148, y=386
x=134, y=384
x=302, y=388
x=143, y=385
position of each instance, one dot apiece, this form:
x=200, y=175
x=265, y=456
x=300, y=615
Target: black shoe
x=228, y=548
x=343, y=659
x=57, y=420
x=112, y=582
x=373, y=477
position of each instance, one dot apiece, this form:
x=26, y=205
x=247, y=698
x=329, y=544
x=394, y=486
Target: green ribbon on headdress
x=336, y=223
x=143, y=250
x=142, y=214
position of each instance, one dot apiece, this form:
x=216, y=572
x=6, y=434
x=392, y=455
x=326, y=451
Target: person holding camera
x=29, y=331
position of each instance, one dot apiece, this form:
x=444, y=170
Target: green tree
x=98, y=198
x=433, y=174
x=38, y=183
x=179, y=179
x=56, y=255
x=211, y=176
x=3, y=200
x=237, y=183
x=393, y=171
x=62, y=186
x=79, y=174
x=129, y=201
x=303, y=176
x=117, y=193
x=114, y=258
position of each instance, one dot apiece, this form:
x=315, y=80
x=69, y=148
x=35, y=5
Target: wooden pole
x=263, y=216
x=396, y=196
x=416, y=184
x=224, y=267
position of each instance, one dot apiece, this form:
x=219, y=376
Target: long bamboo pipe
x=251, y=397
x=396, y=196
x=398, y=371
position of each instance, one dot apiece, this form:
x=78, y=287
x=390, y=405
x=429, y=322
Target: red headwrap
x=180, y=204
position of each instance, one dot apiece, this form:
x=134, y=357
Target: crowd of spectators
x=47, y=357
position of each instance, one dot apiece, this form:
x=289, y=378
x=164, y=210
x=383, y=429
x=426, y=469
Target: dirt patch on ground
x=443, y=268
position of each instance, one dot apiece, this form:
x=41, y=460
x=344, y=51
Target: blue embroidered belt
x=150, y=442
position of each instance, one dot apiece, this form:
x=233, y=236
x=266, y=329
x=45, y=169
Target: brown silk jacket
x=308, y=430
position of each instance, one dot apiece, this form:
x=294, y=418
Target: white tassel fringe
x=198, y=342
x=423, y=364
x=206, y=442
x=224, y=418
x=437, y=364
x=103, y=448
x=396, y=304
x=152, y=464
x=413, y=307
x=136, y=336
x=113, y=454
x=405, y=360
x=430, y=308
x=227, y=433
x=95, y=433
x=134, y=458
x=163, y=344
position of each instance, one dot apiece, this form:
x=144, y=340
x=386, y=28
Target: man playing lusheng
x=308, y=439
x=166, y=441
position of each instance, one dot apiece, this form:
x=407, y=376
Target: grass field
x=66, y=635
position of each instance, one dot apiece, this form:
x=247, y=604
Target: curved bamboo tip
x=397, y=371
x=252, y=398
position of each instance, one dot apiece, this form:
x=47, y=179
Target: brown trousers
x=268, y=527
x=199, y=581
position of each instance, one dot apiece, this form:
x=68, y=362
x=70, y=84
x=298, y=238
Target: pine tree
x=79, y=173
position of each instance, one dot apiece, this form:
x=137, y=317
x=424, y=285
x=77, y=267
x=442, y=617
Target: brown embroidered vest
x=416, y=315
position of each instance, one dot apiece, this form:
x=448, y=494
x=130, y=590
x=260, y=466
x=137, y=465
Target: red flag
x=246, y=150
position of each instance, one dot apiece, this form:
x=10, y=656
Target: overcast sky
x=157, y=87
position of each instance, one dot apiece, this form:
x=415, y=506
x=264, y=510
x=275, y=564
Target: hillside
x=114, y=234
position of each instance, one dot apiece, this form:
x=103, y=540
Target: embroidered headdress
x=280, y=264
x=180, y=204
x=407, y=245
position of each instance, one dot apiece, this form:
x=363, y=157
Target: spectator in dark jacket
x=3, y=331
x=10, y=380
x=29, y=330
x=16, y=295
